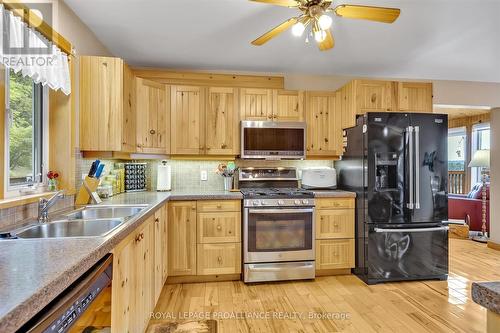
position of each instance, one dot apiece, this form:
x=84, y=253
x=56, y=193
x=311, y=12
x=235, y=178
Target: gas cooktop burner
x=276, y=193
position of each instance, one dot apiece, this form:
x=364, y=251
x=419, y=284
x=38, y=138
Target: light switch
x=204, y=175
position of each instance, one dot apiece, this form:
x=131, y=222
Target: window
x=457, y=140
x=24, y=133
x=480, y=140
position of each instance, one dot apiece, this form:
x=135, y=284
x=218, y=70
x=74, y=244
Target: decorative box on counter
x=135, y=177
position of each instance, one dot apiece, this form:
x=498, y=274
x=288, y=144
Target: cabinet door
x=187, y=128
x=256, y=104
x=182, y=238
x=101, y=103
x=145, y=287
x=221, y=227
x=288, y=105
x=415, y=96
x=165, y=243
x=129, y=136
x=153, y=116
x=334, y=253
x=334, y=223
x=374, y=96
x=324, y=132
x=219, y=258
x=221, y=122
x=348, y=105
x=123, y=306
x=159, y=252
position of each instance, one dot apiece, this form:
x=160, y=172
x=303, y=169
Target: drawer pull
x=219, y=206
x=219, y=227
x=157, y=220
x=219, y=259
x=193, y=208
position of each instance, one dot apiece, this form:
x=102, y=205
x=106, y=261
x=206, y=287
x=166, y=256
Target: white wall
x=495, y=176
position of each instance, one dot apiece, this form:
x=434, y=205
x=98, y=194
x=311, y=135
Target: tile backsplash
x=186, y=173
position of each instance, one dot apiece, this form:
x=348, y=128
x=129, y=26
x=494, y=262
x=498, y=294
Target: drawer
x=334, y=223
x=216, y=259
x=222, y=227
x=219, y=205
x=334, y=253
x=334, y=203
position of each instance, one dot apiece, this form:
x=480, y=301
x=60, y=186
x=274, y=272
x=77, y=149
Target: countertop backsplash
x=186, y=173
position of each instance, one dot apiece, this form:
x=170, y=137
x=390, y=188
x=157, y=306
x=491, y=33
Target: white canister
x=164, y=178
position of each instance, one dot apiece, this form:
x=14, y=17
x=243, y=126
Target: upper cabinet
x=415, y=96
x=324, y=121
x=288, y=105
x=361, y=96
x=153, y=116
x=107, y=118
x=256, y=104
x=271, y=105
x=187, y=131
x=222, y=121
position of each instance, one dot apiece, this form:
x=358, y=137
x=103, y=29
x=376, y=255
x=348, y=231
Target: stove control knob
x=297, y=201
x=305, y=201
x=281, y=202
x=256, y=202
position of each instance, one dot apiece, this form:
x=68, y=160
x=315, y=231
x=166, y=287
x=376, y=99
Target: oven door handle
x=412, y=229
x=278, y=211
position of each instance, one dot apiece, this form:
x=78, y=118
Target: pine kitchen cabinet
x=271, y=104
x=222, y=121
x=160, y=250
x=334, y=235
x=187, y=128
x=107, y=118
x=415, y=97
x=153, y=116
x=182, y=238
x=324, y=121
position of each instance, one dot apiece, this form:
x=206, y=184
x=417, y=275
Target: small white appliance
x=164, y=178
x=319, y=178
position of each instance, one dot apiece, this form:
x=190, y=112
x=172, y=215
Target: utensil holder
x=228, y=183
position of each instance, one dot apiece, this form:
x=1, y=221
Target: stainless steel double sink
x=89, y=221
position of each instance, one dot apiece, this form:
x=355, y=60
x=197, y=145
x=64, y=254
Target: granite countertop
x=487, y=294
x=35, y=271
x=333, y=194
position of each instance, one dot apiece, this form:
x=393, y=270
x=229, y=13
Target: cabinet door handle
x=193, y=208
x=219, y=227
x=157, y=220
x=152, y=131
x=219, y=259
x=219, y=206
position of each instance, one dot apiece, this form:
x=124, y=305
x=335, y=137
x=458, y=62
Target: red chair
x=469, y=207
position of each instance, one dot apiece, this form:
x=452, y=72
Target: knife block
x=89, y=186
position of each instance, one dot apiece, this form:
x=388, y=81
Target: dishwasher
x=85, y=306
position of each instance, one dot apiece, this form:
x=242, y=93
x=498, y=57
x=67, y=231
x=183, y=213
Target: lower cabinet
x=223, y=258
x=204, y=237
x=334, y=234
x=139, y=272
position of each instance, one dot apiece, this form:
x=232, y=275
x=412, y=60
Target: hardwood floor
x=429, y=306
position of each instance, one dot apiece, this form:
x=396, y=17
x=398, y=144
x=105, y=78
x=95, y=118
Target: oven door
x=278, y=234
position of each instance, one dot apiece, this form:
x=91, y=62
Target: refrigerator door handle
x=417, y=167
x=409, y=130
x=411, y=229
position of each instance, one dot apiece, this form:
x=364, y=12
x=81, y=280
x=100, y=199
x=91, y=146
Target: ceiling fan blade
x=378, y=14
x=328, y=43
x=284, y=3
x=275, y=31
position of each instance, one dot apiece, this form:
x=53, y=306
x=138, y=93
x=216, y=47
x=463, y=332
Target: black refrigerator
x=397, y=163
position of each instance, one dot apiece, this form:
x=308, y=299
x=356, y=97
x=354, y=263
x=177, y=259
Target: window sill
x=23, y=200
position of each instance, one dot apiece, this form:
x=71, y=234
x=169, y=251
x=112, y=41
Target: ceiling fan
x=315, y=14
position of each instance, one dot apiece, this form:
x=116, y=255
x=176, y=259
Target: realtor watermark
x=20, y=47
x=258, y=315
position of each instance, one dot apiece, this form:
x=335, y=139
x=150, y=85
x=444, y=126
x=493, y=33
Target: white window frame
x=15, y=190
x=475, y=172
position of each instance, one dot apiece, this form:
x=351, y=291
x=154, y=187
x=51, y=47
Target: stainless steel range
x=278, y=225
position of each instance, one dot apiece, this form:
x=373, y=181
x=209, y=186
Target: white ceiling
x=432, y=39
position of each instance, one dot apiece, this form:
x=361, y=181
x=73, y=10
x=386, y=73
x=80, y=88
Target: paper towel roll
x=164, y=178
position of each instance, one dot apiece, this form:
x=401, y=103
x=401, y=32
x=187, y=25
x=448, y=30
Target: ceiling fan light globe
x=298, y=29
x=320, y=35
x=325, y=22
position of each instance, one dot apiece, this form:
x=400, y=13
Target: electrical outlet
x=204, y=175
